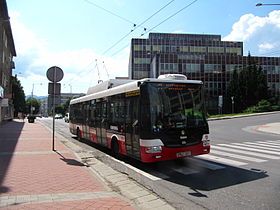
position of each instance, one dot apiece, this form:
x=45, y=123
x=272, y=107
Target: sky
x=90, y=39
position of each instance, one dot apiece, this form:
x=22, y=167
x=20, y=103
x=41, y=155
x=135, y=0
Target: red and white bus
x=149, y=119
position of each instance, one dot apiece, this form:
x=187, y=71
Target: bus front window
x=175, y=105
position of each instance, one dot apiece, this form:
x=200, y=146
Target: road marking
x=263, y=144
x=206, y=164
x=273, y=143
x=258, y=147
x=246, y=152
x=226, y=154
x=250, y=149
x=152, y=175
x=222, y=160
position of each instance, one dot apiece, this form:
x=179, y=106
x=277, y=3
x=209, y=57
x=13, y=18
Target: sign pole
x=53, y=113
x=54, y=74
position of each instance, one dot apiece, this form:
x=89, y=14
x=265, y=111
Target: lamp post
x=31, y=107
x=261, y=4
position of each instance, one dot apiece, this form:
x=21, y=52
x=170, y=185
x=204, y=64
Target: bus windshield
x=176, y=105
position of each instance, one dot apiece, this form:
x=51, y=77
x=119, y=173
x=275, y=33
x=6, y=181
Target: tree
x=248, y=86
x=62, y=109
x=34, y=103
x=18, y=96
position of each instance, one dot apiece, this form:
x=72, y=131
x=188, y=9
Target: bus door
x=101, y=122
x=86, y=122
x=132, y=124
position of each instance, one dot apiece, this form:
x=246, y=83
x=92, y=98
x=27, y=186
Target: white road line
x=226, y=154
x=257, y=147
x=273, y=143
x=222, y=160
x=250, y=149
x=246, y=152
x=276, y=141
x=153, y=176
x=263, y=144
x=205, y=164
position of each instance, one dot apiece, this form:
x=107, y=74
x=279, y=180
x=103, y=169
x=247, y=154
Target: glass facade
x=199, y=57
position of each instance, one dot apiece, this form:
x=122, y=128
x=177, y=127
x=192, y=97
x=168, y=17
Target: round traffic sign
x=55, y=74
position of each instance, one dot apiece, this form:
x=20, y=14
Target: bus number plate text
x=182, y=154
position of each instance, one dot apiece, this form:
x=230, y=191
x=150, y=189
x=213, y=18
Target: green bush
x=262, y=106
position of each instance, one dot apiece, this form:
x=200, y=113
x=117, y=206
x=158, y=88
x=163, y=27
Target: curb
x=242, y=116
x=120, y=182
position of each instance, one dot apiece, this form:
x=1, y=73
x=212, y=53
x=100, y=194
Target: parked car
x=66, y=117
x=58, y=116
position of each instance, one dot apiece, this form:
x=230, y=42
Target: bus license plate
x=182, y=154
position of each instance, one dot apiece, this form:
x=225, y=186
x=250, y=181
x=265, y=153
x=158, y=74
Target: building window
x=140, y=74
x=197, y=49
x=168, y=67
x=216, y=50
x=234, y=50
x=191, y=68
x=232, y=67
x=157, y=48
x=142, y=47
x=184, y=49
x=141, y=60
x=214, y=68
x=191, y=57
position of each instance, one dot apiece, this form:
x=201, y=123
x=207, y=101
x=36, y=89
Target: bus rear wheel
x=115, y=148
x=79, y=134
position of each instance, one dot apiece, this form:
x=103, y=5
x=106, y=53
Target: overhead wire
x=188, y=5
x=137, y=26
x=170, y=16
x=108, y=11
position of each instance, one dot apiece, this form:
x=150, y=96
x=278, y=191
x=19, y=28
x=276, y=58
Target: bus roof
x=128, y=86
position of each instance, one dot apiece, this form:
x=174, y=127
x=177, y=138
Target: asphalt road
x=242, y=171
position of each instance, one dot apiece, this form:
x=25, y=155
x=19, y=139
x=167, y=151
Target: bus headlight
x=206, y=140
x=153, y=149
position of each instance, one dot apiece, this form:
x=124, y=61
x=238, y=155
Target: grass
x=227, y=115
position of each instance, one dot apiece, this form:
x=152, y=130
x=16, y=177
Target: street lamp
x=31, y=107
x=261, y=4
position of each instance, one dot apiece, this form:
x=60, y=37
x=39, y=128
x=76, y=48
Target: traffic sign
x=55, y=74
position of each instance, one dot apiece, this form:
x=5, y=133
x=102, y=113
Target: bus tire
x=79, y=134
x=115, y=148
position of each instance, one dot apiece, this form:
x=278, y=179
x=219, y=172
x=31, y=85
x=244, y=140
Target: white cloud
x=259, y=34
x=266, y=46
x=34, y=57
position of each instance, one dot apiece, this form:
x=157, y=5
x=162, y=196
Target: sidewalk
x=32, y=176
x=270, y=128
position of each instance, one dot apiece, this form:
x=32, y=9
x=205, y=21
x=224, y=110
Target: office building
x=47, y=102
x=199, y=57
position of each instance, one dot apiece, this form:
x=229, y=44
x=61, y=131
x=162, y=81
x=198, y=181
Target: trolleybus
x=149, y=119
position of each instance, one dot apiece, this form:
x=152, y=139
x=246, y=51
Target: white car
x=58, y=116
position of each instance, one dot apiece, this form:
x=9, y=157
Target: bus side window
x=92, y=113
x=104, y=110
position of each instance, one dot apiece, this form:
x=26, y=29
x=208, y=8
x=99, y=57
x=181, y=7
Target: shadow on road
x=9, y=136
x=202, y=179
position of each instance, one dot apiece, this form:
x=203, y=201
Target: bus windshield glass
x=176, y=105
